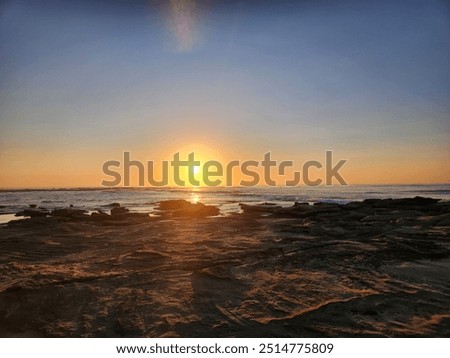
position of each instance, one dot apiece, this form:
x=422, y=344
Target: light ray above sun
x=182, y=17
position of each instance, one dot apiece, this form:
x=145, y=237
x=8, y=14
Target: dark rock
x=99, y=213
x=137, y=215
x=68, y=213
x=119, y=210
x=401, y=203
x=370, y=312
x=174, y=205
x=443, y=220
x=324, y=205
x=301, y=205
x=381, y=218
x=302, y=210
x=33, y=206
x=267, y=208
x=183, y=208
x=297, y=210
x=32, y=213
x=442, y=207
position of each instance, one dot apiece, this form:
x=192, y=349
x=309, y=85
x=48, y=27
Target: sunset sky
x=83, y=81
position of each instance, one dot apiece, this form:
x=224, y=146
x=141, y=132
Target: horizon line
x=80, y=188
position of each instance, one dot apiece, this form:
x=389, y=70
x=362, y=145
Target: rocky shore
x=375, y=268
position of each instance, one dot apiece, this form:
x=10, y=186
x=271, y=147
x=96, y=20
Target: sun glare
x=195, y=198
x=203, y=153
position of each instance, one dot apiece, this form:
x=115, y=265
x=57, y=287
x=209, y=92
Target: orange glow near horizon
x=83, y=169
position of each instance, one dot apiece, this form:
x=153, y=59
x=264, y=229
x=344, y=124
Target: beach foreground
x=372, y=268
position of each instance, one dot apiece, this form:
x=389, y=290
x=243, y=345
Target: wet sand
x=372, y=269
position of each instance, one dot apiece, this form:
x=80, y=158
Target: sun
x=203, y=153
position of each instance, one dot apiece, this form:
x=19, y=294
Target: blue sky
x=81, y=81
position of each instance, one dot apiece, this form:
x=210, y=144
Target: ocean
x=227, y=199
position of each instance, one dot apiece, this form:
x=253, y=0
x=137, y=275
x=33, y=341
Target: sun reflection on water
x=194, y=197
